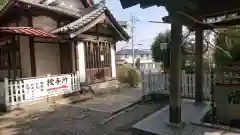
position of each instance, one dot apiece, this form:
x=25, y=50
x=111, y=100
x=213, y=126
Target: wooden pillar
x=199, y=95
x=9, y=60
x=32, y=49
x=175, y=70
x=32, y=56
x=14, y=62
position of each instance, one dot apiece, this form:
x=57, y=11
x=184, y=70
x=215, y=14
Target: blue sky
x=144, y=31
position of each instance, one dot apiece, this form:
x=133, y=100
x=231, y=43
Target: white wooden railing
x=14, y=92
x=158, y=82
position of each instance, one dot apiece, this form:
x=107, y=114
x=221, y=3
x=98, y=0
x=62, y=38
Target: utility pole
x=133, y=22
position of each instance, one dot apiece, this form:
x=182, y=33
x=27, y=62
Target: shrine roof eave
x=213, y=25
x=189, y=23
x=195, y=8
x=143, y=4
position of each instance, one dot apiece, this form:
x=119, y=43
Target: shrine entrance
x=97, y=60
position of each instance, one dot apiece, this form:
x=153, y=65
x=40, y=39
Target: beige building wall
x=44, y=23
x=25, y=56
x=47, y=58
x=24, y=51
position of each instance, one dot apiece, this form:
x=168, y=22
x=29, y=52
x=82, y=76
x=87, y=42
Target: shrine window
x=3, y=58
x=9, y=60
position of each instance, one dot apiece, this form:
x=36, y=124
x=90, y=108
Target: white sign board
x=59, y=85
x=48, y=86
x=102, y=58
x=35, y=88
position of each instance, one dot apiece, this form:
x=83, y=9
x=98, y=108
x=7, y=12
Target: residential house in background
x=40, y=37
x=145, y=56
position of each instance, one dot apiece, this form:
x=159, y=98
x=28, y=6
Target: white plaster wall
x=47, y=59
x=44, y=23
x=24, y=51
x=81, y=61
x=25, y=56
x=72, y=4
x=113, y=60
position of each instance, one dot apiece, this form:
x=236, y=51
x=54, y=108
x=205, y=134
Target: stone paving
x=113, y=102
x=157, y=123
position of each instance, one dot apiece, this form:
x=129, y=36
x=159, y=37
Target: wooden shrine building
x=40, y=37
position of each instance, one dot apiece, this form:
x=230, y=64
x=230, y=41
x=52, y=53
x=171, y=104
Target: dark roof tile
x=129, y=52
x=97, y=11
x=81, y=22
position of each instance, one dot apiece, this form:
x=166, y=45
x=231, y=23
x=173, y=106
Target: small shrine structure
x=198, y=15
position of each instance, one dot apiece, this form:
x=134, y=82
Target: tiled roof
x=81, y=22
x=129, y=52
x=66, y=11
x=85, y=16
x=28, y=31
x=97, y=11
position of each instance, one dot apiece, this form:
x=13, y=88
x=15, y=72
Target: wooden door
x=66, y=58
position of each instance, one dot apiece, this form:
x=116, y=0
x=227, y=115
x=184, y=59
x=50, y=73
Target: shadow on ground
x=62, y=119
x=48, y=121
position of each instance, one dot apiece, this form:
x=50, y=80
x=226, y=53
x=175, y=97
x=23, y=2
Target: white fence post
x=78, y=80
x=6, y=91
x=21, y=91
x=143, y=83
x=155, y=82
x=150, y=82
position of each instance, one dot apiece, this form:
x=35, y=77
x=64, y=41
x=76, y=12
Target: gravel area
x=56, y=119
x=49, y=120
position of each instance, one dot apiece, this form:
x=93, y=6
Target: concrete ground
x=56, y=119
x=192, y=114
x=113, y=102
x=59, y=118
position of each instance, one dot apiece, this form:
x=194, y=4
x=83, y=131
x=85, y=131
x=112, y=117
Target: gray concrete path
x=113, y=102
x=191, y=114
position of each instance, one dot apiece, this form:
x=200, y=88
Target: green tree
x=188, y=60
x=157, y=50
x=160, y=54
x=3, y=3
x=229, y=42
